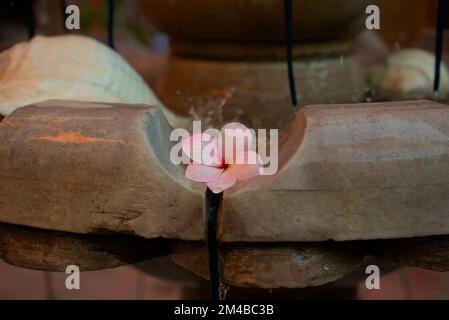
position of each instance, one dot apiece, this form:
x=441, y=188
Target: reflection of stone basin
x=256, y=20
x=228, y=61
x=257, y=93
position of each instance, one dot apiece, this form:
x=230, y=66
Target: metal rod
x=288, y=10
x=212, y=212
x=442, y=8
x=31, y=22
x=111, y=12
x=63, y=4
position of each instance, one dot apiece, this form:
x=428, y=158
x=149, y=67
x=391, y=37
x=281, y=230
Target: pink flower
x=220, y=161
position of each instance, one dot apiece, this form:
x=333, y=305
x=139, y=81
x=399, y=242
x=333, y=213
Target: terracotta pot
x=255, y=20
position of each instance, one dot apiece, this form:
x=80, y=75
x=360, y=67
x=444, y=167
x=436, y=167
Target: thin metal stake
x=63, y=14
x=288, y=11
x=31, y=21
x=212, y=212
x=111, y=12
x=442, y=8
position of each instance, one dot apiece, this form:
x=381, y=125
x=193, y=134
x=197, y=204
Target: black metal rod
x=63, y=4
x=213, y=201
x=288, y=10
x=111, y=13
x=442, y=8
x=31, y=21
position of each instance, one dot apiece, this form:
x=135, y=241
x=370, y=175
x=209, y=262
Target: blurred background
x=148, y=50
x=130, y=283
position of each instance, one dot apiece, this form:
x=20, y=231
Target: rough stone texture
x=85, y=168
x=273, y=265
x=53, y=251
x=362, y=171
x=192, y=256
x=428, y=252
x=347, y=172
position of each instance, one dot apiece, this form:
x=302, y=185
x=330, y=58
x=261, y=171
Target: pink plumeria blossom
x=218, y=160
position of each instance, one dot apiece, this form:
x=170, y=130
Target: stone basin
x=228, y=58
x=90, y=184
x=317, y=218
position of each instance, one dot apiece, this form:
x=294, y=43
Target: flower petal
x=249, y=169
x=236, y=139
x=211, y=154
x=225, y=181
x=194, y=145
x=188, y=143
x=202, y=173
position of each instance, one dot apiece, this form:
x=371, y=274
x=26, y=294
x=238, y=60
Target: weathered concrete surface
x=53, y=251
x=362, y=171
x=428, y=252
x=84, y=168
x=347, y=172
x=289, y=265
